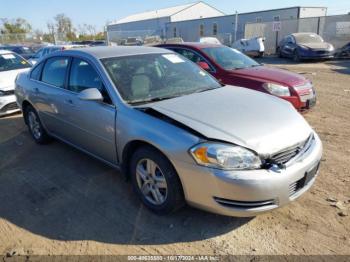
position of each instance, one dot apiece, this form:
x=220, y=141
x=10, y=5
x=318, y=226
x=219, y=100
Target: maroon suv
x=231, y=67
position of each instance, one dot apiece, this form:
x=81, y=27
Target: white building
x=154, y=22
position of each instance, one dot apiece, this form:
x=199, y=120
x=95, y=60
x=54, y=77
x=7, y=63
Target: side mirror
x=204, y=66
x=90, y=94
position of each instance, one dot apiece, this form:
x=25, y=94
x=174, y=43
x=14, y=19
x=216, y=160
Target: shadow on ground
x=59, y=193
x=341, y=66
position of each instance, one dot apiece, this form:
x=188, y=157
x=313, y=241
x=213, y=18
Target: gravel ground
x=55, y=200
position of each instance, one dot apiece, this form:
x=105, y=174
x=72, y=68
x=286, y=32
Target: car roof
x=3, y=52
x=301, y=34
x=101, y=52
x=193, y=44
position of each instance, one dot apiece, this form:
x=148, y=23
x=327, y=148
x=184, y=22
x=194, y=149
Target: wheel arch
x=25, y=105
x=129, y=150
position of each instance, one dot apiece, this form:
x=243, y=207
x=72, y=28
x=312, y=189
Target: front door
x=92, y=123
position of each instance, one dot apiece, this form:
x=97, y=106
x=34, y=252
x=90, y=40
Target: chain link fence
x=333, y=29
x=149, y=37
x=32, y=38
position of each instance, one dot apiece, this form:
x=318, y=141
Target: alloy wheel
x=34, y=125
x=151, y=181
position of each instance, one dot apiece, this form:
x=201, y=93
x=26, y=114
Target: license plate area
x=309, y=175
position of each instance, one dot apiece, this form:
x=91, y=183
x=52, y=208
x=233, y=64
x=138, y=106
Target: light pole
x=236, y=26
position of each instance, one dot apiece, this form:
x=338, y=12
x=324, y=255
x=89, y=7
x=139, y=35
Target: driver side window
x=190, y=55
x=83, y=76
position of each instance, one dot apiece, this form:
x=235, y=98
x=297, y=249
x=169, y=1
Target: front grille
x=8, y=92
x=321, y=52
x=293, y=188
x=244, y=204
x=286, y=155
x=306, y=86
x=10, y=107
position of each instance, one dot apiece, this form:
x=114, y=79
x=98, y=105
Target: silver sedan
x=172, y=129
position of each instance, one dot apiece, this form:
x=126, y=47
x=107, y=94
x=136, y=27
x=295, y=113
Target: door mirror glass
x=204, y=66
x=91, y=94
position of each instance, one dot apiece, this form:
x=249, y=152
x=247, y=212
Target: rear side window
x=54, y=71
x=36, y=72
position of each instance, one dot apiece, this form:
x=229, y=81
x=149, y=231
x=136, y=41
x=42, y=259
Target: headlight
x=276, y=89
x=331, y=48
x=223, y=156
x=2, y=93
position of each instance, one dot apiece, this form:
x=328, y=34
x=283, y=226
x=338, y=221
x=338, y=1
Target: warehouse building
x=225, y=29
x=154, y=22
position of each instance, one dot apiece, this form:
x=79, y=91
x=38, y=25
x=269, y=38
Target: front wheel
x=35, y=127
x=155, y=181
x=279, y=53
x=296, y=56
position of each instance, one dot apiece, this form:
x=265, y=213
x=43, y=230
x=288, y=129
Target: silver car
x=172, y=129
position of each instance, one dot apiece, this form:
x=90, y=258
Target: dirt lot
x=56, y=200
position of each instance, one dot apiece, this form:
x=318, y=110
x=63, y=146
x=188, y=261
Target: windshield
x=152, y=77
x=229, y=58
x=12, y=61
x=308, y=38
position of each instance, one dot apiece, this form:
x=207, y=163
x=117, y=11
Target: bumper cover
x=8, y=105
x=248, y=193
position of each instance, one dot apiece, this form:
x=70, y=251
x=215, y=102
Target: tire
x=149, y=169
x=261, y=54
x=279, y=53
x=296, y=57
x=35, y=127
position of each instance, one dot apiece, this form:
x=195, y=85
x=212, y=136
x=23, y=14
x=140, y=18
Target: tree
x=15, y=26
x=64, y=26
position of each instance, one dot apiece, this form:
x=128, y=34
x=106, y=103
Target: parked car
x=90, y=43
x=343, y=52
x=209, y=40
x=24, y=51
x=50, y=49
x=133, y=41
x=10, y=65
x=302, y=46
x=172, y=129
x=254, y=47
x=231, y=67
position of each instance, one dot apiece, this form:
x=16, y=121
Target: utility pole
x=236, y=26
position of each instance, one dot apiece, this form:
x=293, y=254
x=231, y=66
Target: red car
x=231, y=67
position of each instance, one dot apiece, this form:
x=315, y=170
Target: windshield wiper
x=145, y=101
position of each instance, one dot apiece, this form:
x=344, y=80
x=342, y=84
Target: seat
x=140, y=86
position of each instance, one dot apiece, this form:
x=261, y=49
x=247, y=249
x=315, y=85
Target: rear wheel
x=35, y=127
x=155, y=181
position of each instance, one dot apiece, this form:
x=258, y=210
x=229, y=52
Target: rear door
x=48, y=83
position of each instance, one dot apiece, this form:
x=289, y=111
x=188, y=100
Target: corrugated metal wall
x=334, y=29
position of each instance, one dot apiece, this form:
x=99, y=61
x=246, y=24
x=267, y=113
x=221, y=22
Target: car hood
x=244, y=117
x=7, y=78
x=269, y=74
x=323, y=45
